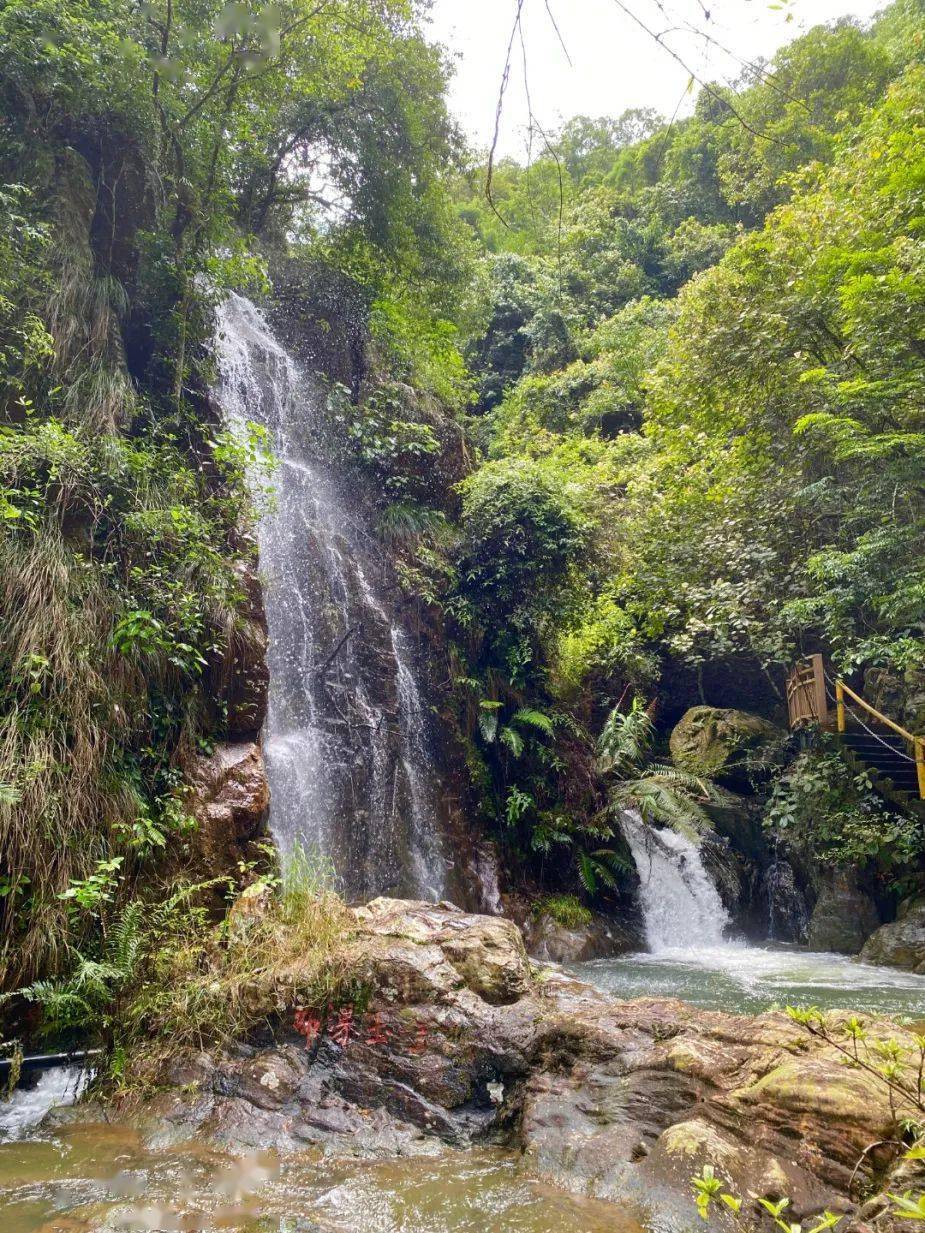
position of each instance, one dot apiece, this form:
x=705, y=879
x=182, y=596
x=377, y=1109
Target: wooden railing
x=807, y=702
x=806, y=699
x=916, y=743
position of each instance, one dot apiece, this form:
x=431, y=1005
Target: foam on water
x=27, y=1106
x=692, y=956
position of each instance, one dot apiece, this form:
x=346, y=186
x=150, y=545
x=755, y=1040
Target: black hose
x=49, y=1061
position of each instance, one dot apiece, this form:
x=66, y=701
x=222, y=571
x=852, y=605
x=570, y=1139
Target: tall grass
x=69, y=703
x=287, y=942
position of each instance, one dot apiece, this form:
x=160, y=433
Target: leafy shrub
x=823, y=808
x=523, y=533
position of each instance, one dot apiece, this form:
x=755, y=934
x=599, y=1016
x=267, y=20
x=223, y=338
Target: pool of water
x=754, y=978
x=95, y=1178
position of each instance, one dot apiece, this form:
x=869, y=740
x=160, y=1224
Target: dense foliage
x=643, y=427
x=706, y=338
x=152, y=156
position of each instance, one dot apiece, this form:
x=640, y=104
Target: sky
x=611, y=63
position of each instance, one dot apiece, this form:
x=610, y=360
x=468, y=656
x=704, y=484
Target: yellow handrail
x=917, y=742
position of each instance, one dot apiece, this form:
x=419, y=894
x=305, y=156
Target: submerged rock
x=722, y=744
x=455, y=1034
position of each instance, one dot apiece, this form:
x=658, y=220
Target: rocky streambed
x=462, y=1040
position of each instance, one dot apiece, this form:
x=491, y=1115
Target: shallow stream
x=96, y=1178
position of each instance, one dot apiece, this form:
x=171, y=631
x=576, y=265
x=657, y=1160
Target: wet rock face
x=786, y=916
x=844, y=916
x=247, y=686
x=721, y=744
x=902, y=943
x=229, y=797
x=460, y=1037
x=551, y=941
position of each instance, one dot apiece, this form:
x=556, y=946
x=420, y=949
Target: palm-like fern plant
x=663, y=794
x=625, y=740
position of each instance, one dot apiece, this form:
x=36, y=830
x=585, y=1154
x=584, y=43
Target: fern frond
x=625, y=739
x=587, y=872
x=125, y=940
x=665, y=803
x=514, y=741
x=683, y=779
x=534, y=719
x=614, y=861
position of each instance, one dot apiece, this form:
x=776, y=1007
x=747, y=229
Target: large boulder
x=844, y=916
x=900, y=944
x=719, y=743
x=900, y=695
x=452, y=1035
x=553, y=941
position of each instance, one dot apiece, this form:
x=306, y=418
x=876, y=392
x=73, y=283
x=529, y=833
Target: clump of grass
x=285, y=942
x=566, y=910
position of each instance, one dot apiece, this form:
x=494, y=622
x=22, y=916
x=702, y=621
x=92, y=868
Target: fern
x=587, y=872
x=514, y=741
x=552, y=829
x=601, y=867
x=664, y=797
x=534, y=719
x=126, y=940
x=625, y=739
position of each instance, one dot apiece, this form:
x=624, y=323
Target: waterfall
x=346, y=737
x=681, y=906
x=25, y=1108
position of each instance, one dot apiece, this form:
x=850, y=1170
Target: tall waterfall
x=681, y=906
x=346, y=737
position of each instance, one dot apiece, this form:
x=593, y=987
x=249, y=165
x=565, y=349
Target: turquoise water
x=748, y=979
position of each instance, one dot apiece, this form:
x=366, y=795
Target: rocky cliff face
x=462, y=1038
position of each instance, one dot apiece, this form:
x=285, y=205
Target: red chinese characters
x=308, y=1024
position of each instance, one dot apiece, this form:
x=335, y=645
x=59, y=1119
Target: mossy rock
x=844, y=916
x=720, y=743
x=900, y=944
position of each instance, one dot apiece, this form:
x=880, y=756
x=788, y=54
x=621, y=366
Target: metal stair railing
x=808, y=702
x=916, y=743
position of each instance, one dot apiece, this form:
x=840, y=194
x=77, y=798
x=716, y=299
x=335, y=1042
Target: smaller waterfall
x=22, y=1111
x=681, y=906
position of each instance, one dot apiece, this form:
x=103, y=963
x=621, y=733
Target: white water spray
x=346, y=739
x=27, y=1106
x=681, y=906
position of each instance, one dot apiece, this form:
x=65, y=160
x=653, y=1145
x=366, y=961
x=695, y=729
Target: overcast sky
x=614, y=64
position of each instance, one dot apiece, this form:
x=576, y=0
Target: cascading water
x=689, y=956
x=25, y=1108
x=346, y=737
x=681, y=906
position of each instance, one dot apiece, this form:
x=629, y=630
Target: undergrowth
x=286, y=942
